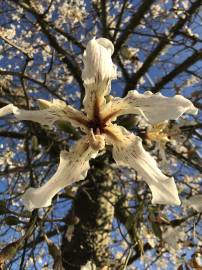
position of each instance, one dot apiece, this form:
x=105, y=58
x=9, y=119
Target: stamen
x=97, y=142
x=93, y=136
x=97, y=131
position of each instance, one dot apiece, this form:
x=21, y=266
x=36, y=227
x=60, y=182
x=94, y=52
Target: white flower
x=97, y=124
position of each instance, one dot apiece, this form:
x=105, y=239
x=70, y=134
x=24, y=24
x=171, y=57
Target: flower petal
x=55, y=111
x=128, y=150
x=73, y=167
x=154, y=107
x=98, y=65
x=98, y=72
x=6, y=110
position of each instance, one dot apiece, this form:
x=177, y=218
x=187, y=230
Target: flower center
x=97, y=126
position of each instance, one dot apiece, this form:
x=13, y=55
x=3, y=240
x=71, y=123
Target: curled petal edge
x=154, y=108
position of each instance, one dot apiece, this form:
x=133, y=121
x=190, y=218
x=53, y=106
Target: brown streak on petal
x=80, y=121
x=85, y=147
x=109, y=116
x=112, y=135
x=96, y=110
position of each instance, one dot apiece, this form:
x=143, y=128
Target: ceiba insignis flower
x=98, y=125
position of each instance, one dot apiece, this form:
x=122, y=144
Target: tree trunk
x=93, y=212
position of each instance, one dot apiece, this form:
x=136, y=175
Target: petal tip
x=107, y=44
x=32, y=200
x=43, y=104
x=193, y=110
x=98, y=65
x=171, y=201
x=6, y=110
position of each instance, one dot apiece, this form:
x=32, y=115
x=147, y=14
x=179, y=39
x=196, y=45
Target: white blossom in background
x=194, y=202
x=9, y=35
x=97, y=122
x=5, y=82
x=158, y=134
x=148, y=236
x=129, y=52
x=89, y=266
x=72, y=13
x=6, y=158
x=173, y=235
x=8, y=32
x=161, y=134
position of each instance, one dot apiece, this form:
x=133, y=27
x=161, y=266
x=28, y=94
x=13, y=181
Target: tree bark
x=93, y=212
